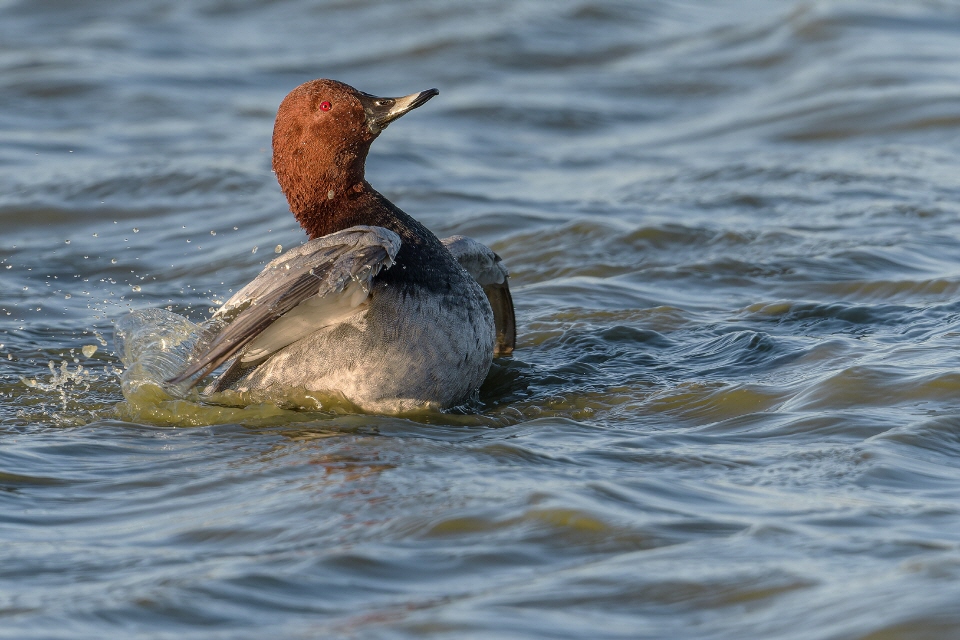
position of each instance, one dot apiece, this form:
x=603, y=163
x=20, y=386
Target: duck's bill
x=382, y=111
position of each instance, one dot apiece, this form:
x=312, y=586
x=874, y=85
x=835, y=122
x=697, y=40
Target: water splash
x=68, y=384
x=154, y=346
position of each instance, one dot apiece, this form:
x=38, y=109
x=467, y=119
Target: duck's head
x=321, y=137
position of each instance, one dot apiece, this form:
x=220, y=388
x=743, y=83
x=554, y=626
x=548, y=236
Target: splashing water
x=70, y=386
x=155, y=345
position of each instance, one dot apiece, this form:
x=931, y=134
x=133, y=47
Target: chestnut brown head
x=322, y=135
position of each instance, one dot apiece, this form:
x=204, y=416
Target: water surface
x=734, y=410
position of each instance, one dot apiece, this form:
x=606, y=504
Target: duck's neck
x=325, y=186
x=330, y=207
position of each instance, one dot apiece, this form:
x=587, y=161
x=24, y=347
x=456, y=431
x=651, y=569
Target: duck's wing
x=312, y=286
x=488, y=270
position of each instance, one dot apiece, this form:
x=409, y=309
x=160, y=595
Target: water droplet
x=254, y=250
x=279, y=249
x=9, y=266
x=67, y=296
x=136, y=230
x=66, y=242
x=135, y=287
x=113, y=261
x=213, y=233
x=96, y=235
x=89, y=349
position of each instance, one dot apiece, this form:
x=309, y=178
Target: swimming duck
x=374, y=307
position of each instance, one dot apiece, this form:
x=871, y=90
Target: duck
x=373, y=308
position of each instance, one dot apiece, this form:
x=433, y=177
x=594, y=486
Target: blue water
x=734, y=237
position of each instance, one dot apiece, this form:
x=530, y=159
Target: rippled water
x=734, y=410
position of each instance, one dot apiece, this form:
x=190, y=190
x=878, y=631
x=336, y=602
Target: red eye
x=324, y=106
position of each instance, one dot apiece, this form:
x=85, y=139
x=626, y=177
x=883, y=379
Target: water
x=735, y=243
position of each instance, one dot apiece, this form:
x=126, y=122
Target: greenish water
x=734, y=237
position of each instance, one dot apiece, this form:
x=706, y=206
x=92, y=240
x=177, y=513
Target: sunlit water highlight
x=734, y=237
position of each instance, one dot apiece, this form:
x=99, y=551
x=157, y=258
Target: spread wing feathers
x=488, y=270
x=311, y=286
x=503, y=317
